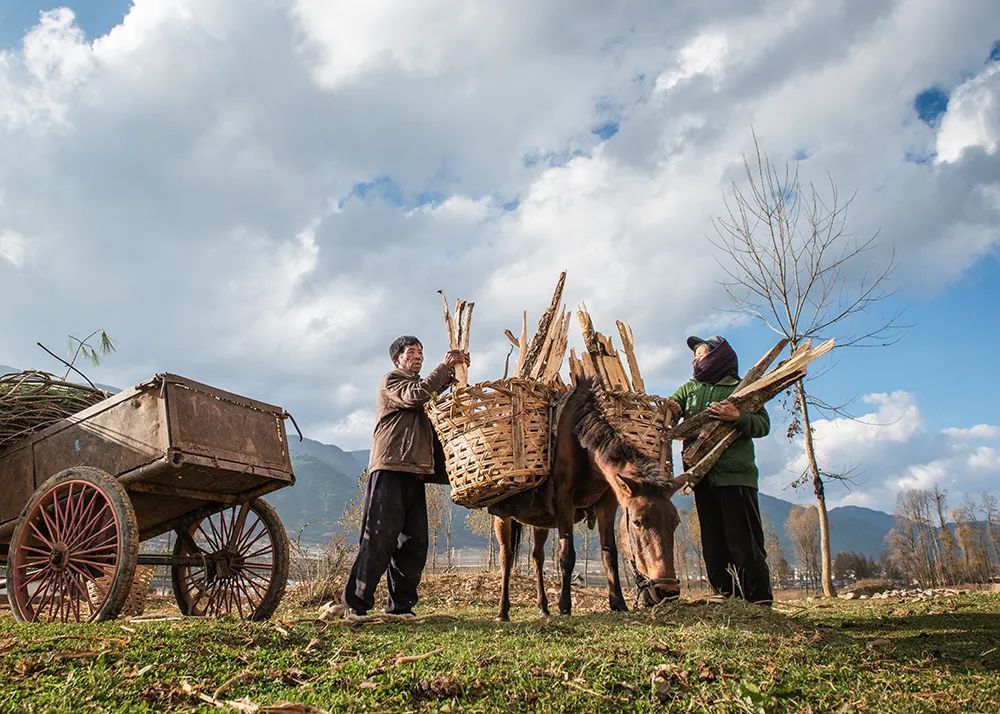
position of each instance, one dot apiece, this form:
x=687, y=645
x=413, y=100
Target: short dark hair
x=400, y=344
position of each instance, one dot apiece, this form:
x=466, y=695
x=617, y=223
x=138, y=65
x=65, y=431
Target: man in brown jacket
x=394, y=522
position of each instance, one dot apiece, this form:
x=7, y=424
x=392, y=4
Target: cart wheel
x=73, y=552
x=243, y=565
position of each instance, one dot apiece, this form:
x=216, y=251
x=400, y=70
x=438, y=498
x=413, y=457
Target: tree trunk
x=826, y=561
x=451, y=524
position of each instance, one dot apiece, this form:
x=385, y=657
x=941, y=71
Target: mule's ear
x=623, y=483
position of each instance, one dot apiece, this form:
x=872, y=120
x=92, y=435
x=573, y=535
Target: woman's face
x=700, y=353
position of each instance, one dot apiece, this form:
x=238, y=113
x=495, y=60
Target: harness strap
x=644, y=584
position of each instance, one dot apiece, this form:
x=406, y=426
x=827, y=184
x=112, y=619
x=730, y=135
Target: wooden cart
x=170, y=454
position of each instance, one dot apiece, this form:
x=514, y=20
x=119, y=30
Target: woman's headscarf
x=720, y=362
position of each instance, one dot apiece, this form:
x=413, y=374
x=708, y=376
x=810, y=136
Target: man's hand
x=455, y=358
x=724, y=411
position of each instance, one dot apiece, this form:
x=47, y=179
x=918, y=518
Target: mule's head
x=646, y=530
x=644, y=492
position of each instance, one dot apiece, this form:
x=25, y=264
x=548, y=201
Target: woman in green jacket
x=732, y=538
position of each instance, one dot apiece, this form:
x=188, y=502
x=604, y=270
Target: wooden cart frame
x=170, y=454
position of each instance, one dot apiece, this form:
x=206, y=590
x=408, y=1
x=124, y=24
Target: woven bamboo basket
x=642, y=420
x=135, y=603
x=495, y=437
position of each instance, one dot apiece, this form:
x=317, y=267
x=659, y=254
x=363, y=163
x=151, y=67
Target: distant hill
x=326, y=481
x=852, y=528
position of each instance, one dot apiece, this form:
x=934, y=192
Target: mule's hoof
x=502, y=618
x=567, y=612
x=543, y=613
x=618, y=606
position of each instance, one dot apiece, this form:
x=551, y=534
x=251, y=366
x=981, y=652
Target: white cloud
x=13, y=248
x=705, y=54
x=892, y=449
x=973, y=116
x=264, y=197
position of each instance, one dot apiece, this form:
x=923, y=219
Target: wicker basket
x=642, y=420
x=135, y=603
x=495, y=437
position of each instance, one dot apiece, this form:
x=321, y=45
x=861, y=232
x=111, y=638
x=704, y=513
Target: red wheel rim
x=237, y=553
x=66, y=557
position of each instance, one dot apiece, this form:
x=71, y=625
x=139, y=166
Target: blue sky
x=94, y=18
x=263, y=195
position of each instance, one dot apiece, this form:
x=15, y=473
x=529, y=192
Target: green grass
x=938, y=655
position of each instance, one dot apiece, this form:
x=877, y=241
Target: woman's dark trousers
x=393, y=537
x=732, y=540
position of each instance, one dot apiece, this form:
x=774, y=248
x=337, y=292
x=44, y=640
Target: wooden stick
x=459, y=309
x=544, y=323
x=510, y=336
x=755, y=372
x=447, y=321
x=628, y=344
x=522, y=345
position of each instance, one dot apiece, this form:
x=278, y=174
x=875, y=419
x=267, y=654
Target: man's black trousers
x=393, y=536
x=732, y=540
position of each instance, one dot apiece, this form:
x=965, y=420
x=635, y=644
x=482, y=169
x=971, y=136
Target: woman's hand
x=724, y=411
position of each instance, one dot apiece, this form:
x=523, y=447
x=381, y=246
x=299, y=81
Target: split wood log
x=628, y=344
x=544, y=324
x=750, y=395
x=458, y=327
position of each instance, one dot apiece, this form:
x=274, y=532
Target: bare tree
x=438, y=509
x=779, y=567
x=350, y=519
x=912, y=540
x=480, y=522
x=692, y=528
x=792, y=264
x=802, y=527
x=989, y=512
x=947, y=546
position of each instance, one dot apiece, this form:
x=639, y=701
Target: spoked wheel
x=73, y=553
x=232, y=563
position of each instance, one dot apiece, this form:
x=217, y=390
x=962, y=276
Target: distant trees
x=855, y=566
x=687, y=549
x=802, y=528
x=934, y=546
x=781, y=571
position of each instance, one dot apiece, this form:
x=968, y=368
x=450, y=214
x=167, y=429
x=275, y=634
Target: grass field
x=939, y=655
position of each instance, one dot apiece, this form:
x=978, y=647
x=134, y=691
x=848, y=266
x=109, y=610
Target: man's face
x=412, y=359
x=700, y=353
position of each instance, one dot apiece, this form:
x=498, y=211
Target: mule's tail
x=516, y=532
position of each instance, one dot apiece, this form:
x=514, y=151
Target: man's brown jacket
x=404, y=439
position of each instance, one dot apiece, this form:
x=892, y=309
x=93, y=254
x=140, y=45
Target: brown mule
x=594, y=472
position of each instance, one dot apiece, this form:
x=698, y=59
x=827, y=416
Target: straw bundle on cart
x=642, y=419
x=33, y=400
x=496, y=435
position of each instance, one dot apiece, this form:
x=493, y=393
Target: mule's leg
x=502, y=528
x=606, y=509
x=567, y=559
x=538, y=557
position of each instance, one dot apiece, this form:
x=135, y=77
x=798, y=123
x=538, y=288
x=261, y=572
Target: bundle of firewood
x=754, y=390
x=33, y=400
x=542, y=358
x=601, y=361
x=458, y=328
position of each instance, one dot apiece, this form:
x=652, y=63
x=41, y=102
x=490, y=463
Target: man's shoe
x=351, y=612
x=402, y=613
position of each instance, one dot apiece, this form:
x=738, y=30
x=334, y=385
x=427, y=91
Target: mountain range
x=327, y=478
x=327, y=481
